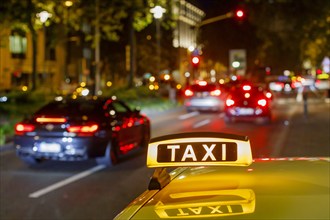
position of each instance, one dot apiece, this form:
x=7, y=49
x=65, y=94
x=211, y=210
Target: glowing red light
x=48, y=120
x=246, y=87
x=83, y=128
x=216, y=92
x=24, y=128
x=188, y=92
x=195, y=60
x=239, y=13
x=230, y=102
x=262, y=102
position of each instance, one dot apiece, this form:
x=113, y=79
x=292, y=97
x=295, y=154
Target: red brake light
x=262, y=102
x=83, y=129
x=202, y=83
x=230, y=102
x=246, y=87
x=188, y=92
x=216, y=92
x=22, y=128
x=269, y=95
x=48, y=120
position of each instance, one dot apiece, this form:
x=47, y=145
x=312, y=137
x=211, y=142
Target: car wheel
x=110, y=157
x=29, y=160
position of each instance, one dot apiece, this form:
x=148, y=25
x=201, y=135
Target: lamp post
x=43, y=16
x=158, y=12
x=68, y=4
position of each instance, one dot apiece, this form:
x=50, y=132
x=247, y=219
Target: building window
x=18, y=44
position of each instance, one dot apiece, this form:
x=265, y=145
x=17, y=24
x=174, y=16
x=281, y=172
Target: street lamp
x=43, y=16
x=158, y=12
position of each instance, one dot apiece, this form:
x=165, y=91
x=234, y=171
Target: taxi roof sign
x=199, y=149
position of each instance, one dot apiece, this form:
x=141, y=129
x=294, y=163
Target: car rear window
x=71, y=108
x=198, y=88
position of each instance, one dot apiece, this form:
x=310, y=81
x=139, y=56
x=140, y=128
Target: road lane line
x=66, y=181
x=202, y=123
x=189, y=115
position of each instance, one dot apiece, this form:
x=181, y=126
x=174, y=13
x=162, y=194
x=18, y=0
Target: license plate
x=246, y=111
x=197, y=152
x=49, y=147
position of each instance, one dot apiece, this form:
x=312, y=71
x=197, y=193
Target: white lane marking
x=202, y=123
x=66, y=181
x=189, y=115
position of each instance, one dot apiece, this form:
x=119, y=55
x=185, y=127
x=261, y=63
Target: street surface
x=83, y=190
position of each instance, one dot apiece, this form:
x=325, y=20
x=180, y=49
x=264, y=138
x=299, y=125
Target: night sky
x=219, y=37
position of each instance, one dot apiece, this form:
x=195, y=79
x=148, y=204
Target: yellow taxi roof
x=289, y=188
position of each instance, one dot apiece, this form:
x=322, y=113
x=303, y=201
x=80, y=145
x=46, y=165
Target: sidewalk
x=309, y=131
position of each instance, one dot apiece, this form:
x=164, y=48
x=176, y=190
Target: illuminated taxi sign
x=197, y=152
x=199, y=149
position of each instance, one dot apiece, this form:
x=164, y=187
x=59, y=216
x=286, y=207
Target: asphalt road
x=83, y=190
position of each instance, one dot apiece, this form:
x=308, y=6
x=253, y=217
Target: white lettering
x=173, y=148
x=208, y=152
x=189, y=153
x=215, y=209
x=224, y=153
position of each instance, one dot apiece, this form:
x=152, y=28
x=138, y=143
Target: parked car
x=79, y=129
x=217, y=178
x=248, y=102
x=204, y=96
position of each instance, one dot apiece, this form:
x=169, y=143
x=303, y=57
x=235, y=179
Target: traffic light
x=195, y=61
x=239, y=13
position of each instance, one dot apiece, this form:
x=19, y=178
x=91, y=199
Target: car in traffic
x=104, y=129
x=203, y=96
x=214, y=176
x=248, y=102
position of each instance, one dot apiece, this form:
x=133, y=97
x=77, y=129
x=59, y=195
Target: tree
x=106, y=17
x=291, y=31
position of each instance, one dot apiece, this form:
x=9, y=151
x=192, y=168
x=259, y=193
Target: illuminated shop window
x=18, y=44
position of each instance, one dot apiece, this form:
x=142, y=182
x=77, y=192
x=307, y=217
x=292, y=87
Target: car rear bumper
x=213, y=104
x=64, y=149
x=246, y=113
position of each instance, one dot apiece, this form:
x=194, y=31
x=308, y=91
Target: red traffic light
x=195, y=60
x=239, y=13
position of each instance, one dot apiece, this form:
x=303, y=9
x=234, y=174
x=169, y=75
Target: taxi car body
x=217, y=178
x=80, y=129
x=203, y=96
x=249, y=103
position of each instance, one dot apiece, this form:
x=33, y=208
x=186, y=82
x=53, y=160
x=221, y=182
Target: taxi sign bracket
x=159, y=179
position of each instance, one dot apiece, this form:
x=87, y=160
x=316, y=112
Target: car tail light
x=202, y=83
x=83, y=129
x=20, y=128
x=230, y=102
x=50, y=120
x=269, y=95
x=262, y=102
x=246, y=87
x=188, y=92
x=216, y=92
